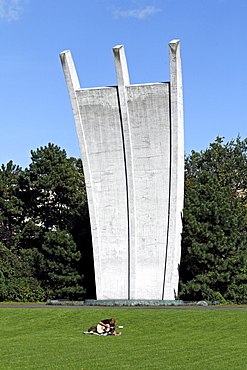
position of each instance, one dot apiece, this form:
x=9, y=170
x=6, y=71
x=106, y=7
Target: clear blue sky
x=34, y=102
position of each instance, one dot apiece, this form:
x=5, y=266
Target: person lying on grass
x=106, y=326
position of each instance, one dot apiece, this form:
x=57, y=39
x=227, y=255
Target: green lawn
x=52, y=338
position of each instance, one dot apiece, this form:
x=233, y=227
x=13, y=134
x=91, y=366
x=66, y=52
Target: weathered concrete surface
x=107, y=185
x=148, y=107
x=131, y=141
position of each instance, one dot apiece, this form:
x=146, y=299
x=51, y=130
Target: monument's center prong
x=121, y=66
x=132, y=148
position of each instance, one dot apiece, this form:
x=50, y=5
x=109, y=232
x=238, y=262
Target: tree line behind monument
x=45, y=240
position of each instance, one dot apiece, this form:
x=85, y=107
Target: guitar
x=102, y=329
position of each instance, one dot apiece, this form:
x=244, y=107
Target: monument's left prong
x=73, y=86
x=69, y=71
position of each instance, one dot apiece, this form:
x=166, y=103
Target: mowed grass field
x=52, y=338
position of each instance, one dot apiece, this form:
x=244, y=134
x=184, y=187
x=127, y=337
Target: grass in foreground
x=51, y=338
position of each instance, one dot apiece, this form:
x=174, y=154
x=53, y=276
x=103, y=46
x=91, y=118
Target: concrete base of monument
x=120, y=302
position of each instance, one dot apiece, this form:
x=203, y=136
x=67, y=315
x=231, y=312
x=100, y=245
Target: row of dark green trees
x=45, y=240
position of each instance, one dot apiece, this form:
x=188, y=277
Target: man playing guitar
x=107, y=326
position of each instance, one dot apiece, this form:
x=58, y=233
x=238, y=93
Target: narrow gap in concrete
x=169, y=197
x=127, y=189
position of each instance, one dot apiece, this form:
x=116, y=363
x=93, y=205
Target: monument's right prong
x=176, y=171
x=176, y=81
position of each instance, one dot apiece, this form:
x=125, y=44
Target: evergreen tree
x=54, y=188
x=45, y=235
x=54, y=195
x=214, y=242
x=227, y=161
x=59, y=260
x=11, y=207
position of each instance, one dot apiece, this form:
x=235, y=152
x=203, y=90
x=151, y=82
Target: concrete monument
x=132, y=148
